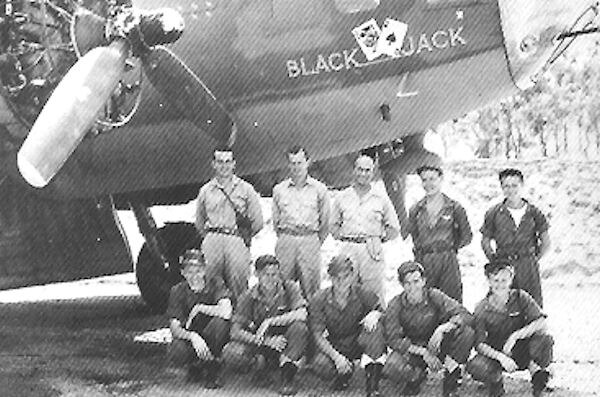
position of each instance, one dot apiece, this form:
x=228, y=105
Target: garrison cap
x=338, y=264
x=430, y=167
x=192, y=257
x=496, y=265
x=264, y=261
x=409, y=267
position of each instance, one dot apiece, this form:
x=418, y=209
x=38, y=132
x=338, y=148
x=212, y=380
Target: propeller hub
x=147, y=29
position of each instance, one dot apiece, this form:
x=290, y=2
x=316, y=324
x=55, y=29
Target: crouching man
x=511, y=334
x=199, y=311
x=269, y=326
x=344, y=322
x=425, y=329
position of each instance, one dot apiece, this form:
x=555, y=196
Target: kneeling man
x=344, y=322
x=511, y=334
x=269, y=326
x=425, y=328
x=199, y=309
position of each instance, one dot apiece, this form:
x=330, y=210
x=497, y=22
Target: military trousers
x=227, y=256
x=238, y=354
x=442, y=272
x=352, y=347
x=406, y=367
x=537, y=348
x=215, y=333
x=300, y=259
x=370, y=270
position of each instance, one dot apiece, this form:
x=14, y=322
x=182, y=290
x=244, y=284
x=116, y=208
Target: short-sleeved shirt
x=182, y=298
x=254, y=307
x=406, y=323
x=303, y=208
x=500, y=226
x=367, y=216
x=451, y=227
x=325, y=313
x=493, y=325
x=214, y=210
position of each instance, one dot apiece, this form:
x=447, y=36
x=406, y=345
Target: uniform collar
x=257, y=294
x=423, y=202
x=309, y=181
x=351, y=296
x=512, y=296
x=504, y=207
x=425, y=301
x=235, y=180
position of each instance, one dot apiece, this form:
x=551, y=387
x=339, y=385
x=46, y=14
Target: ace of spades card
x=392, y=37
x=367, y=35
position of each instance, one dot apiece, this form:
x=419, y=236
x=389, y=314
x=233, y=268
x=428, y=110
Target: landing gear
x=157, y=266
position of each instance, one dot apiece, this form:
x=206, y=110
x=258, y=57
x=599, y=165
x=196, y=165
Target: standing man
x=199, y=312
x=344, y=323
x=269, y=326
x=520, y=233
x=301, y=222
x=220, y=202
x=439, y=228
x=363, y=219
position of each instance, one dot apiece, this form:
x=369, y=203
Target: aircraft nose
x=531, y=29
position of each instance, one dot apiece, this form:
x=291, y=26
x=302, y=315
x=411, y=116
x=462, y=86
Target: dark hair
x=338, y=264
x=222, y=148
x=187, y=258
x=510, y=172
x=296, y=149
x=434, y=168
x=495, y=266
x=264, y=261
x=409, y=267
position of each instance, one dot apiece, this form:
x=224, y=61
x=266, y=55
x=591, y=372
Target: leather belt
x=223, y=230
x=297, y=232
x=432, y=250
x=356, y=240
x=513, y=256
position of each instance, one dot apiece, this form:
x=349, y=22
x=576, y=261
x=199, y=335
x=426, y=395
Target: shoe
x=288, y=386
x=211, y=375
x=342, y=382
x=496, y=389
x=413, y=388
x=450, y=383
x=196, y=372
x=373, y=374
x=539, y=380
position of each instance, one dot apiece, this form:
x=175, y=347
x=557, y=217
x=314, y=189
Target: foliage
x=558, y=116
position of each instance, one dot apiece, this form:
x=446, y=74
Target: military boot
x=212, y=370
x=288, y=386
x=539, y=380
x=373, y=375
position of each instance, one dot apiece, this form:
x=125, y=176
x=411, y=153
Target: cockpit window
x=354, y=6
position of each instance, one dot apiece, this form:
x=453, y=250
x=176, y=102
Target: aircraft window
x=354, y=6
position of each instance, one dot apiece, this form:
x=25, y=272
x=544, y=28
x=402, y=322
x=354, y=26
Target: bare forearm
x=241, y=335
x=532, y=328
x=324, y=345
x=289, y=317
x=178, y=332
x=489, y=351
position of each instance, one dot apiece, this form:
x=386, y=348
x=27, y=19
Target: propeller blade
x=183, y=89
x=70, y=112
x=87, y=31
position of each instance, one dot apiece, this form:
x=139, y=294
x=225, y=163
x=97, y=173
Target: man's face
x=223, y=164
x=363, y=170
x=431, y=181
x=195, y=276
x=343, y=280
x=298, y=164
x=511, y=187
x=413, y=283
x=500, y=282
x=269, y=277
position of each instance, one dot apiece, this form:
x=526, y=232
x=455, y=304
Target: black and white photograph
x=299, y=198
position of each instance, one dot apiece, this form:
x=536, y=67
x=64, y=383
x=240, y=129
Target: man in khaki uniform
x=363, y=219
x=301, y=221
x=223, y=247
